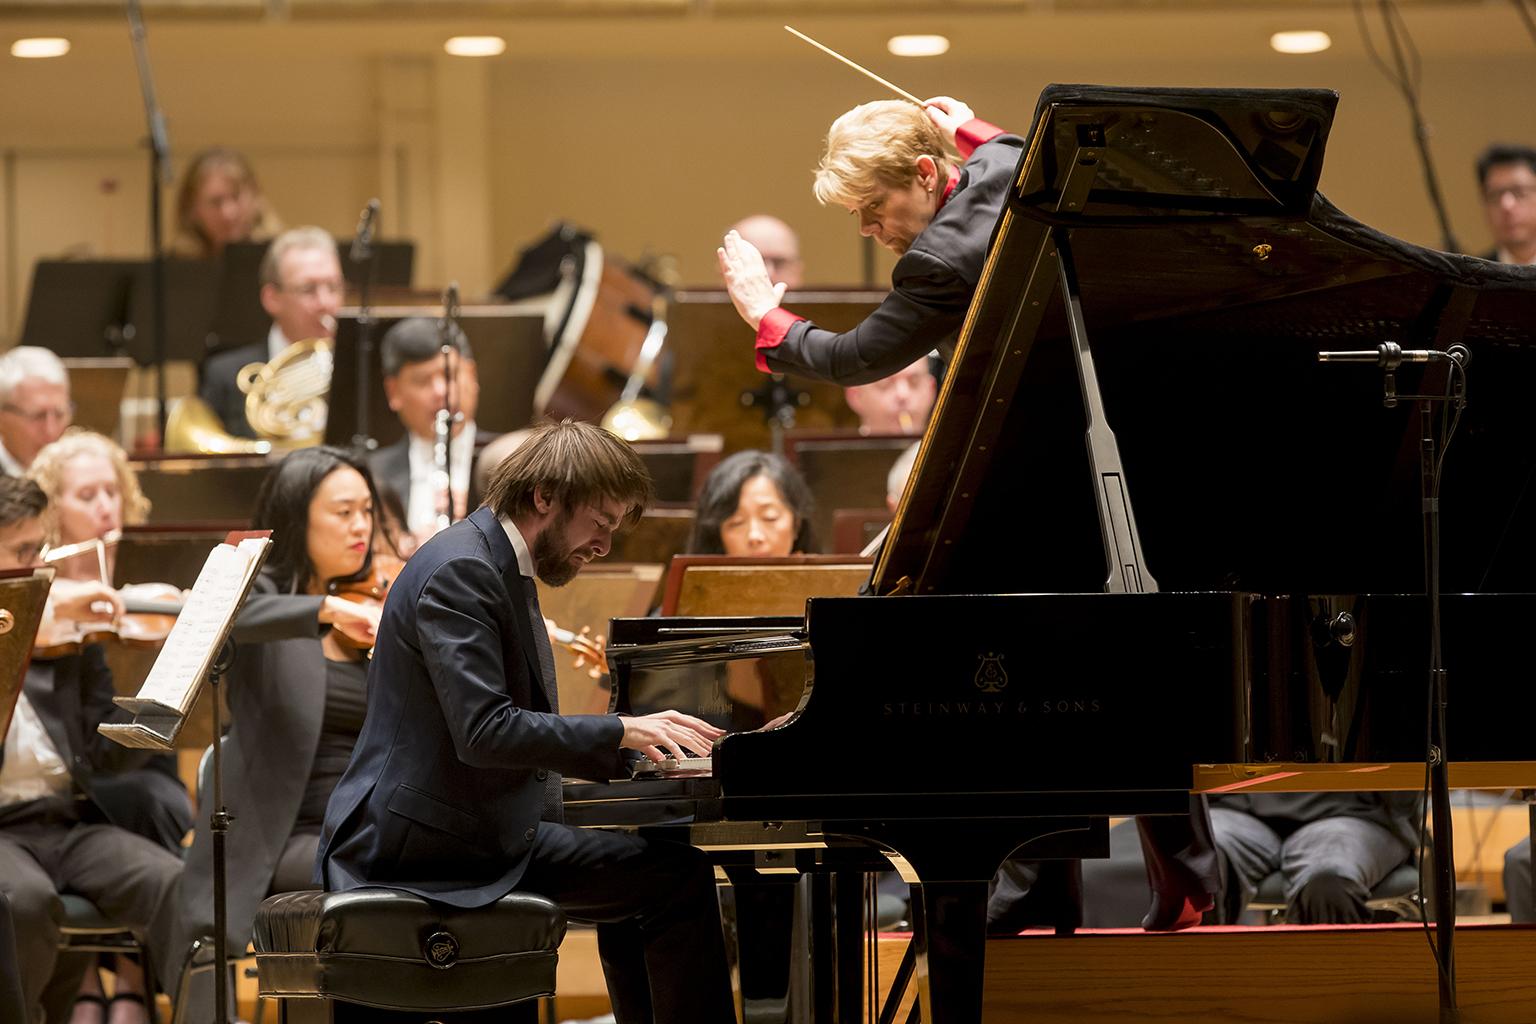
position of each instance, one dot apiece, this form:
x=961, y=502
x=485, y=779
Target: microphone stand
x=1389, y=356
x=363, y=254
x=159, y=166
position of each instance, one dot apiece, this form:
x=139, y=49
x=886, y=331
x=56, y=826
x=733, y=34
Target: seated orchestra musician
x=92, y=492
x=219, y=202
x=753, y=504
x=898, y=404
x=1332, y=849
x=56, y=835
x=35, y=408
x=470, y=808
x=779, y=246
x=296, y=692
x=417, y=387
x=894, y=167
x=301, y=290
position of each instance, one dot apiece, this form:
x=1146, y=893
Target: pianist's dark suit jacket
x=931, y=285
x=446, y=787
x=276, y=701
x=217, y=385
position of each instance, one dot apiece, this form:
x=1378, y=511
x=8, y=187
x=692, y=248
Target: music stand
x=78, y=307
x=508, y=343
x=394, y=262
x=191, y=306
x=199, y=648
x=23, y=592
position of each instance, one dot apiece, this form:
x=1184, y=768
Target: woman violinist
x=296, y=691
x=92, y=492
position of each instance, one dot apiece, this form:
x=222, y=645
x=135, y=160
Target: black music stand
x=393, y=261
x=509, y=353
x=191, y=306
x=79, y=307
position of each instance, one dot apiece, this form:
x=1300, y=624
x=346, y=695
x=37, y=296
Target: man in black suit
x=54, y=836
x=301, y=290
x=418, y=387
x=454, y=788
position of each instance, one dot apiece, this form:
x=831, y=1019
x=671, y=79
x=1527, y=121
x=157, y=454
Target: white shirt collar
x=421, y=502
x=9, y=464
x=519, y=546
x=276, y=342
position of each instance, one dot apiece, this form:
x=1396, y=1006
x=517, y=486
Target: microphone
x=362, y=240
x=1389, y=355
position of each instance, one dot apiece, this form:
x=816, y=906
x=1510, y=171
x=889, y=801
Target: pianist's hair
x=282, y=506
x=20, y=499
x=572, y=464
x=721, y=494
x=48, y=470
x=874, y=146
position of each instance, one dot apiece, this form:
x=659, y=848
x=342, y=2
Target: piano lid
x=1210, y=273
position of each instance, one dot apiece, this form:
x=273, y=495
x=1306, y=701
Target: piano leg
x=951, y=950
x=848, y=914
x=954, y=864
x=764, y=912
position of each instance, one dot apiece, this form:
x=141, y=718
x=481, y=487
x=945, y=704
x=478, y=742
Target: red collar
x=950, y=186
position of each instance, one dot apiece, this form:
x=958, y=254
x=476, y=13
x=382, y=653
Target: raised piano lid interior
x=1211, y=272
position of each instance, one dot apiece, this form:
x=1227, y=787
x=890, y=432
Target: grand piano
x=1159, y=284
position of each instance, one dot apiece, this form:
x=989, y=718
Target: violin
x=591, y=649
x=150, y=610
x=371, y=590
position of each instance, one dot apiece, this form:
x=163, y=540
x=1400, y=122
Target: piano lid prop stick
x=857, y=67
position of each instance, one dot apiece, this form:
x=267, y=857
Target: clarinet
x=442, y=473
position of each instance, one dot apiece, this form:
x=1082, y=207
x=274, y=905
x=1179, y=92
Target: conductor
x=454, y=788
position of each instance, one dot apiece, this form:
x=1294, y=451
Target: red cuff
x=771, y=330
x=972, y=134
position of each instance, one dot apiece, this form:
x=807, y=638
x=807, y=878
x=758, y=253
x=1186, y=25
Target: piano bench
x=1396, y=896
x=381, y=955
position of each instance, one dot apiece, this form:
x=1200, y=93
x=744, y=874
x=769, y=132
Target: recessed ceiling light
x=476, y=46
x=917, y=46
x=1307, y=41
x=46, y=46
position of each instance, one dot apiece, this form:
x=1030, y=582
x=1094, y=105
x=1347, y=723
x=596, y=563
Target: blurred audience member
x=1507, y=175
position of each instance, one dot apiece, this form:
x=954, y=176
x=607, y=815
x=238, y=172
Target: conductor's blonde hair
x=875, y=146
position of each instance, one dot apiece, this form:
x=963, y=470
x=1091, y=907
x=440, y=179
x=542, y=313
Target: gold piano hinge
x=903, y=586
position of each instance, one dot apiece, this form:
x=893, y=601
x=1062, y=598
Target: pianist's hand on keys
x=669, y=734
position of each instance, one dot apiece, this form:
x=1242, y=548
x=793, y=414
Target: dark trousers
x=1330, y=865
x=131, y=880
x=657, y=917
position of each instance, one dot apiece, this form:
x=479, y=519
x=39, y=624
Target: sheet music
x=201, y=627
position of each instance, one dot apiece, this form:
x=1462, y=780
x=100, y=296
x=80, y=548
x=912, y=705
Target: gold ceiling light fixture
x=40, y=47
x=476, y=46
x=1300, y=41
x=918, y=45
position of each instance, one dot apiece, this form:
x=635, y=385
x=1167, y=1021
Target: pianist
x=453, y=791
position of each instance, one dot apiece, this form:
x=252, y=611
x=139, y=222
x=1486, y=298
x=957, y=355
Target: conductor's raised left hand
x=746, y=278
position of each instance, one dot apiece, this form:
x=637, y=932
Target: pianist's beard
x=554, y=560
